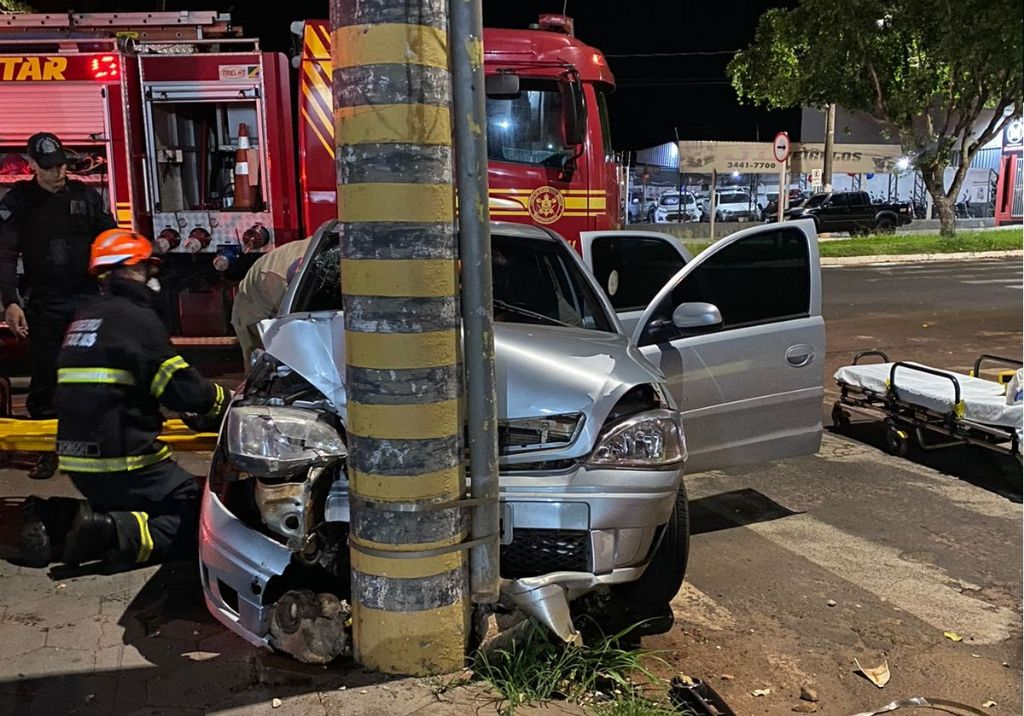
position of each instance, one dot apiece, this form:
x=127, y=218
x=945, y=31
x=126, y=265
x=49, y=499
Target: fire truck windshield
x=526, y=128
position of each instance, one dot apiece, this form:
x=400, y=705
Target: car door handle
x=800, y=355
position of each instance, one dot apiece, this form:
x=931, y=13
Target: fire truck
x=549, y=151
x=186, y=128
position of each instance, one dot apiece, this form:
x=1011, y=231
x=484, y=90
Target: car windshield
x=535, y=281
x=526, y=128
x=733, y=199
x=673, y=199
x=816, y=200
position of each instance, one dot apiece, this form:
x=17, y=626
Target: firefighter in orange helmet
x=115, y=370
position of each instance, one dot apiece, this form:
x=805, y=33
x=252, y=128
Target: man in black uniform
x=116, y=368
x=50, y=222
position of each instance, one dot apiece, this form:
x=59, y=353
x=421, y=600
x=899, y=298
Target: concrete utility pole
x=830, y=138
x=410, y=589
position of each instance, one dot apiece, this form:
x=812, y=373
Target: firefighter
x=261, y=291
x=116, y=368
x=50, y=222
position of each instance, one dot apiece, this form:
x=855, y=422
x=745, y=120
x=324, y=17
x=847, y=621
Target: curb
x=917, y=258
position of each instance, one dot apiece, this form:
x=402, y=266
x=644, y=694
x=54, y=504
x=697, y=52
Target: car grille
x=536, y=552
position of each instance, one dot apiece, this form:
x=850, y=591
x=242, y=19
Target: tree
x=925, y=69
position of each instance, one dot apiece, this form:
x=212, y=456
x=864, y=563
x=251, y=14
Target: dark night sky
x=655, y=95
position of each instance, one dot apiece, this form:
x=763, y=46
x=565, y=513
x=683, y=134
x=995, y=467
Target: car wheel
x=885, y=225
x=663, y=577
x=840, y=417
x=896, y=441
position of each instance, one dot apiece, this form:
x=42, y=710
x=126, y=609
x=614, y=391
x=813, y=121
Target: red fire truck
x=159, y=108
x=550, y=158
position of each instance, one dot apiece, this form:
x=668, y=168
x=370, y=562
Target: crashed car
x=591, y=445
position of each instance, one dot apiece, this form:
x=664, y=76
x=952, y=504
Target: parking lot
x=796, y=568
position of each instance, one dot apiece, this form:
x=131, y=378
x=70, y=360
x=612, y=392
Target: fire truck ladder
x=184, y=25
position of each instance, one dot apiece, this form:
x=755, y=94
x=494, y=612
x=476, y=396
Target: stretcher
x=939, y=408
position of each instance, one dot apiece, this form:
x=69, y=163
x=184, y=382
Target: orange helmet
x=118, y=247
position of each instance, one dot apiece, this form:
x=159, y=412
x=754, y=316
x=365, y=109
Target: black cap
x=46, y=150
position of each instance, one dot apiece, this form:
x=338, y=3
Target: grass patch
x=537, y=667
x=894, y=244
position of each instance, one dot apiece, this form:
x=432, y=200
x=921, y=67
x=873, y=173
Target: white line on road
x=924, y=590
x=994, y=280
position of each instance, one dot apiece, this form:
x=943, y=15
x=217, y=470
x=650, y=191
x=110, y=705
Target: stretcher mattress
x=984, y=400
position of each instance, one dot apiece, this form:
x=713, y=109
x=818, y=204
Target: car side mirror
x=574, y=112
x=696, y=315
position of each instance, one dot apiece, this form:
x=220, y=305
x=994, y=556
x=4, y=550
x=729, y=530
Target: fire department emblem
x=546, y=205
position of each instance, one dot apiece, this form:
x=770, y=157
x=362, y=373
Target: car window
x=816, y=200
x=535, y=281
x=669, y=199
x=632, y=270
x=858, y=199
x=733, y=199
x=763, y=278
x=839, y=200
x=526, y=127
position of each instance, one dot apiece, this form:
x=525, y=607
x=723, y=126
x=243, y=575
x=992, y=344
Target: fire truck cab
x=549, y=151
x=163, y=112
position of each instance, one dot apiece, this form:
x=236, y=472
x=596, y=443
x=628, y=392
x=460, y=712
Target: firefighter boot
x=91, y=537
x=45, y=466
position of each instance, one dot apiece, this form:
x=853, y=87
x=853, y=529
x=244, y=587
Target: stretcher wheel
x=896, y=441
x=840, y=417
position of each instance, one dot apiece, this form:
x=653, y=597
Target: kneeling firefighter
x=116, y=368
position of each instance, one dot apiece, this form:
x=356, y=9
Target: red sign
x=781, y=147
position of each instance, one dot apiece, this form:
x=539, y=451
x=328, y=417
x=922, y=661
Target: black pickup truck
x=851, y=211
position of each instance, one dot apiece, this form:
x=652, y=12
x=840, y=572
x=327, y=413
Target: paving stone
x=262, y=702
x=19, y=637
x=46, y=661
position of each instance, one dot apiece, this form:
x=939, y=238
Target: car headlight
x=651, y=439
x=274, y=441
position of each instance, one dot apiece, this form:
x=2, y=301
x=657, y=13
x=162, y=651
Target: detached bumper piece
x=937, y=408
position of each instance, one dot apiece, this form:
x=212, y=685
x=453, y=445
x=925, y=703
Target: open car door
x=631, y=266
x=739, y=334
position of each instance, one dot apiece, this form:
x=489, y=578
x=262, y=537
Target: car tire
x=660, y=582
x=885, y=225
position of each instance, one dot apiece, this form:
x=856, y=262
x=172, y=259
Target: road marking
x=920, y=589
x=694, y=606
x=1019, y=288
x=993, y=280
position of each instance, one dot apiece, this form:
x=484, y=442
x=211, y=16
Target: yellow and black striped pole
x=392, y=84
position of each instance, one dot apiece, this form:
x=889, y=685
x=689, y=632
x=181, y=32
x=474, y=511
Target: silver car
x=591, y=439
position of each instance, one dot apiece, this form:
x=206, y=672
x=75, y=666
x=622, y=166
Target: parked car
x=734, y=206
x=597, y=373
x=851, y=211
x=796, y=198
x=670, y=207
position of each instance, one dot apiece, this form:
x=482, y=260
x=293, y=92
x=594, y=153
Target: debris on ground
x=831, y=602
x=919, y=701
x=805, y=707
x=727, y=677
x=952, y=636
x=808, y=693
x=760, y=692
x=877, y=675
x=275, y=704
x=989, y=704
x=693, y=696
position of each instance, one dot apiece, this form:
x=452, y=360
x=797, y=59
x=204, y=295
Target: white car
x=668, y=209
x=734, y=206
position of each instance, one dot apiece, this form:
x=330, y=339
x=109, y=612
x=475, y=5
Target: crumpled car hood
x=539, y=370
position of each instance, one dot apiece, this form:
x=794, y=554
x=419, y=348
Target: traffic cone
x=245, y=194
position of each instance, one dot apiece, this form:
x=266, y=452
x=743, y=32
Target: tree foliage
x=925, y=69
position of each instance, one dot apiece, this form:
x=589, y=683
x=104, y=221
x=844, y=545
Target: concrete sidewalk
x=142, y=642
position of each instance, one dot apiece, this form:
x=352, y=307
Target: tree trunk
x=933, y=174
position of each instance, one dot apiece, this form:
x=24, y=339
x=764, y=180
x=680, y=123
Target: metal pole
x=714, y=195
x=830, y=136
x=469, y=103
x=410, y=591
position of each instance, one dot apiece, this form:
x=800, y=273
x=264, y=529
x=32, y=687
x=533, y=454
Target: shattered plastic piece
x=831, y=602
x=727, y=677
x=760, y=692
x=952, y=636
x=877, y=675
x=275, y=704
x=693, y=696
x=988, y=704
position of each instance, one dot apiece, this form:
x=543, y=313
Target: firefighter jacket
x=116, y=368
x=52, y=232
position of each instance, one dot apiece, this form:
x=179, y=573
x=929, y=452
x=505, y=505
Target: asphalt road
x=801, y=566
x=797, y=567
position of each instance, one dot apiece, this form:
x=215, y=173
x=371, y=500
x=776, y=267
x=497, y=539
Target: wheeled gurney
x=938, y=407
